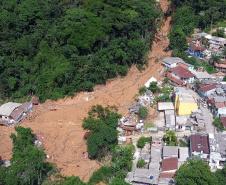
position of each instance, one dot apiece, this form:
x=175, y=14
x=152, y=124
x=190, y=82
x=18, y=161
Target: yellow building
x=185, y=101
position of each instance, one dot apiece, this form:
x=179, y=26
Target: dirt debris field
x=58, y=124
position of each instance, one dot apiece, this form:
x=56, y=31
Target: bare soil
x=58, y=124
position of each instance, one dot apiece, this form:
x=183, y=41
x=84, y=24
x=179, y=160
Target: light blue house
x=206, y=90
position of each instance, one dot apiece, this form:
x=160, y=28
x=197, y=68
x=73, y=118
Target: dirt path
x=61, y=130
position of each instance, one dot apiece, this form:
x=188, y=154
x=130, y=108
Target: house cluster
x=198, y=47
x=127, y=125
x=11, y=112
x=210, y=148
x=162, y=162
x=183, y=113
x=181, y=73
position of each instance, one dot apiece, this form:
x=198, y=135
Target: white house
x=171, y=62
x=14, y=112
x=6, y=110
x=183, y=74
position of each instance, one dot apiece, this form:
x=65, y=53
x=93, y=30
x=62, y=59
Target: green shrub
x=142, y=140
x=140, y=163
x=143, y=112
x=103, y=174
x=142, y=90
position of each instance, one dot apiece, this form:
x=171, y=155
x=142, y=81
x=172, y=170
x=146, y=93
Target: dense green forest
x=190, y=14
x=52, y=48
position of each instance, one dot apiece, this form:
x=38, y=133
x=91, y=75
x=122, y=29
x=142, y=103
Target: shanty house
x=183, y=74
x=14, y=112
x=20, y=112
x=199, y=146
x=6, y=110
x=206, y=89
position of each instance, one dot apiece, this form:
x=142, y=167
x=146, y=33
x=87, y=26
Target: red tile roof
x=207, y=87
x=169, y=164
x=219, y=104
x=167, y=175
x=189, y=39
x=174, y=79
x=197, y=48
x=223, y=120
x=199, y=142
x=220, y=65
x=184, y=73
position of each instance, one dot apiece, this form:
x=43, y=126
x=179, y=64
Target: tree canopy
x=28, y=164
x=55, y=48
x=102, y=123
x=195, y=172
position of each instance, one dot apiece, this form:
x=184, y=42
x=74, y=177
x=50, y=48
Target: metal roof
x=201, y=75
x=170, y=151
x=172, y=60
x=7, y=108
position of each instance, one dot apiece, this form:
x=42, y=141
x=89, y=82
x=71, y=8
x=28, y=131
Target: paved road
x=209, y=120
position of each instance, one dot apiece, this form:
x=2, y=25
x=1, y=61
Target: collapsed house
x=14, y=112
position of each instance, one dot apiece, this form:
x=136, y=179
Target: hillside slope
x=61, y=130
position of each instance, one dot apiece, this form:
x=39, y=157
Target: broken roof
x=184, y=73
x=169, y=164
x=207, y=87
x=7, y=108
x=19, y=110
x=199, y=142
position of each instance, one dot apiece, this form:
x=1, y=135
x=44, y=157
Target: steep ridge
x=61, y=131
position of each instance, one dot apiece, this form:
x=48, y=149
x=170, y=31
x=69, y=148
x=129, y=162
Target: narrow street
x=208, y=120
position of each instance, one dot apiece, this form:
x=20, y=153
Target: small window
x=5, y=117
